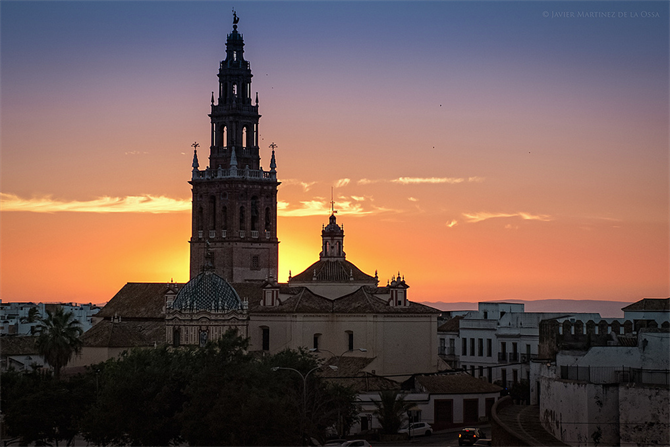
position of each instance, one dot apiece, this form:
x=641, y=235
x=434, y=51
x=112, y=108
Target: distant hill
x=606, y=309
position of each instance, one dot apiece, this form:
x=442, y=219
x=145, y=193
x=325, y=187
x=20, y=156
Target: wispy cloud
x=136, y=153
x=478, y=217
x=342, y=182
x=422, y=180
x=319, y=208
x=291, y=181
x=412, y=199
x=452, y=224
x=128, y=204
x=358, y=198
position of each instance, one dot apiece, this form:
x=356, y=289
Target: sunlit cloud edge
x=129, y=204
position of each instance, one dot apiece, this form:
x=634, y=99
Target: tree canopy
x=58, y=338
x=219, y=394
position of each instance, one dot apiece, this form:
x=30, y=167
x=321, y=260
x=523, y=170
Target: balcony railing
x=513, y=357
x=242, y=234
x=502, y=357
x=254, y=234
x=208, y=174
x=200, y=234
x=212, y=234
x=267, y=235
x=223, y=234
x=446, y=350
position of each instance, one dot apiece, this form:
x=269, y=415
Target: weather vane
x=273, y=146
x=235, y=18
x=195, y=146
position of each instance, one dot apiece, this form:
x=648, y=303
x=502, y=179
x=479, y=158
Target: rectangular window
x=481, y=371
x=316, y=341
x=266, y=339
x=472, y=347
x=490, y=372
x=489, y=347
x=350, y=337
x=480, y=347
x=255, y=263
x=464, y=351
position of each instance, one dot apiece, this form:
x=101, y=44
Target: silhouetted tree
x=391, y=410
x=58, y=338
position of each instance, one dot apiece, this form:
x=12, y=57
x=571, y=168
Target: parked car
x=483, y=442
x=357, y=443
x=469, y=436
x=417, y=429
x=334, y=443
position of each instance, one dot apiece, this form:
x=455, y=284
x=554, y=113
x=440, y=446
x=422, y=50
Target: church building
x=332, y=308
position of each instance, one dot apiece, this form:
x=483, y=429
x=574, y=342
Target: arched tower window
x=176, y=337
x=224, y=218
x=234, y=90
x=212, y=212
x=254, y=213
x=242, y=219
x=199, y=219
x=247, y=139
x=268, y=223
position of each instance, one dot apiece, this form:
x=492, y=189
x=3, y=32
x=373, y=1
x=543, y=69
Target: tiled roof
x=359, y=301
x=332, y=271
x=125, y=334
x=18, y=345
x=650, y=304
x=137, y=300
x=451, y=325
x=459, y=383
x=207, y=291
x=350, y=373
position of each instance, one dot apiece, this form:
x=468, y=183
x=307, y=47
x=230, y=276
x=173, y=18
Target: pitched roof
x=650, y=304
x=350, y=373
x=359, y=301
x=459, y=383
x=18, y=345
x=332, y=271
x=138, y=300
x=125, y=334
x=451, y=325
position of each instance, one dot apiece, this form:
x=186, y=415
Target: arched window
x=317, y=339
x=242, y=219
x=176, y=337
x=265, y=338
x=268, y=223
x=212, y=212
x=247, y=139
x=234, y=90
x=254, y=213
x=224, y=136
x=224, y=218
x=199, y=219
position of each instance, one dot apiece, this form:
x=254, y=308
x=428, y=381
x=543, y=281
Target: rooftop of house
x=649, y=304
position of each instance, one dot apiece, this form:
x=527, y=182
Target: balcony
x=513, y=357
x=200, y=234
x=502, y=357
x=212, y=234
x=267, y=235
x=242, y=234
x=223, y=234
x=446, y=350
x=254, y=234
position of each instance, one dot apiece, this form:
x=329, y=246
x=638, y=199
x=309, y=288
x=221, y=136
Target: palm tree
x=391, y=410
x=58, y=338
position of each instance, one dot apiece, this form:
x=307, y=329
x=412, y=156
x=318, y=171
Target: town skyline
x=484, y=151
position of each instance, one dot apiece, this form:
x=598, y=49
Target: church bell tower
x=234, y=199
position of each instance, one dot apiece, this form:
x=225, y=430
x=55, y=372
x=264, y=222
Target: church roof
x=137, y=300
x=649, y=304
x=125, y=334
x=361, y=300
x=18, y=345
x=332, y=271
x=207, y=291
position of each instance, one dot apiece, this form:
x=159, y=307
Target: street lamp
x=304, y=391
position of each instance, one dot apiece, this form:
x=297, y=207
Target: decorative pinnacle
x=332, y=202
x=235, y=19
x=273, y=162
x=195, y=147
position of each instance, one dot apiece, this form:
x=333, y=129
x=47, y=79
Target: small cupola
x=398, y=291
x=332, y=245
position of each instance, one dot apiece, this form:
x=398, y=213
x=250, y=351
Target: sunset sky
x=486, y=150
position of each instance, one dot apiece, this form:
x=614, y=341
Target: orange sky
x=513, y=158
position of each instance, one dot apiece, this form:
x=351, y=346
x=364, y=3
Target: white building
x=497, y=341
x=606, y=382
x=14, y=317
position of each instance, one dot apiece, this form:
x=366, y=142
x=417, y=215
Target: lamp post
x=304, y=391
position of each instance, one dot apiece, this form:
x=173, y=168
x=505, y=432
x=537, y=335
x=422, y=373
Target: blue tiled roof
x=207, y=291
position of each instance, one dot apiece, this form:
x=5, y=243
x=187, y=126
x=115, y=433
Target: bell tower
x=234, y=199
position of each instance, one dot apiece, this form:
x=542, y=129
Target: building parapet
x=220, y=173
x=615, y=374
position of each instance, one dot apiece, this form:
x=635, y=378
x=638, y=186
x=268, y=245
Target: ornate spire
x=195, y=164
x=273, y=162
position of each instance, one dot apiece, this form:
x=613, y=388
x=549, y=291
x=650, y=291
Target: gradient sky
x=486, y=150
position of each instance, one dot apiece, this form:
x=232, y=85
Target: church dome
x=207, y=291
